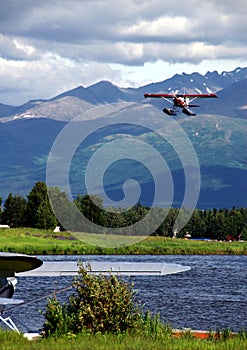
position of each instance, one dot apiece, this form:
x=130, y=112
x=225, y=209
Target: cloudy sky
x=49, y=46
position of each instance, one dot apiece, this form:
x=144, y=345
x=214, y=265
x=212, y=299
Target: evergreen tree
x=196, y=226
x=115, y=218
x=91, y=207
x=168, y=224
x=64, y=209
x=14, y=213
x=37, y=205
x=45, y=217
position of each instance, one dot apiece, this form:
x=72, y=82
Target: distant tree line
x=36, y=211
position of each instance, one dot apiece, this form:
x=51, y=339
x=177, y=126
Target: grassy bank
x=42, y=242
x=14, y=341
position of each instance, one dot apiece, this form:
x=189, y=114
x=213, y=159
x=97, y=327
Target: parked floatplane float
x=14, y=265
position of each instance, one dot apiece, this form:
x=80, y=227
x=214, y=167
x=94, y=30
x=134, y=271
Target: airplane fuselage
x=180, y=102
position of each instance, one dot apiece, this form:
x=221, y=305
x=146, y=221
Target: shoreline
x=43, y=242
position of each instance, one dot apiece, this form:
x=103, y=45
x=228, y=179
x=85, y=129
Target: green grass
x=42, y=242
x=13, y=341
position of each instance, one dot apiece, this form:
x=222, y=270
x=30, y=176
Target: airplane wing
x=180, y=95
x=70, y=268
x=197, y=95
x=160, y=95
x=21, y=265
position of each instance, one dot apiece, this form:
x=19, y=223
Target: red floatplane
x=180, y=101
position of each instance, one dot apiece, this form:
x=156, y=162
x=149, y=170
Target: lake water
x=213, y=294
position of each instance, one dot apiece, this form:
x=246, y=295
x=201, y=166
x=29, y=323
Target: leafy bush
x=100, y=304
x=57, y=320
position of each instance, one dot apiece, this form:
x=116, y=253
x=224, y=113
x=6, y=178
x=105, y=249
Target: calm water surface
x=211, y=295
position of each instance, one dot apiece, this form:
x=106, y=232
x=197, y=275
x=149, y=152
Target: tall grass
x=13, y=341
x=42, y=242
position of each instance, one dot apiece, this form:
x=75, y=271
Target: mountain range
x=217, y=133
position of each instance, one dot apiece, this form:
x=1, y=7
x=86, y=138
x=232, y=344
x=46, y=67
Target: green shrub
x=54, y=317
x=100, y=304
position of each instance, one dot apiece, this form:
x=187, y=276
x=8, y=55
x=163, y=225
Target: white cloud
x=159, y=29
x=49, y=46
x=47, y=77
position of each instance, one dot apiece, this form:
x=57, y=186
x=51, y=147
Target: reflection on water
x=212, y=294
